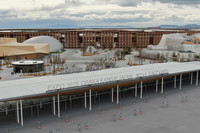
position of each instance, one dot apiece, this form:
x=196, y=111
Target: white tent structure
x=54, y=44
x=90, y=49
x=172, y=45
x=169, y=39
x=197, y=37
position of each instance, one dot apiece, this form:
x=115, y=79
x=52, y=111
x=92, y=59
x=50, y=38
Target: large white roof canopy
x=24, y=88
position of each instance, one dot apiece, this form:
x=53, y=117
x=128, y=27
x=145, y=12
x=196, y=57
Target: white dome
x=54, y=44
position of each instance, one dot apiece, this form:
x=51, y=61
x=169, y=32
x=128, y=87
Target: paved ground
x=177, y=118
x=76, y=62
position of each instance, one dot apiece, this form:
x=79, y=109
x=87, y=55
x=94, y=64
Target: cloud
x=182, y=2
x=176, y=2
x=72, y=2
x=100, y=12
x=8, y=14
x=131, y=2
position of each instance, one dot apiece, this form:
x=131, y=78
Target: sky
x=97, y=13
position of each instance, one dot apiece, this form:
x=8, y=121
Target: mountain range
x=188, y=26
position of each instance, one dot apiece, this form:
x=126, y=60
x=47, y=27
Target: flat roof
x=92, y=29
x=27, y=62
x=30, y=87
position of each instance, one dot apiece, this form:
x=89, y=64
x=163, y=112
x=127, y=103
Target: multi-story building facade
x=99, y=38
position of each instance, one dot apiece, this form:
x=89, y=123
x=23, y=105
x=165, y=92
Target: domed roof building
x=54, y=44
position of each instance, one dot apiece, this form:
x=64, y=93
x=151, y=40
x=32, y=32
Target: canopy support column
x=141, y=90
x=135, y=90
x=70, y=100
x=6, y=110
x=90, y=108
x=156, y=85
x=112, y=96
x=17, y=105
x=191, y=78
x=117, y=94
x=54, y=105
x=174, y=81
x=180, y=86
x=162, y=85
x=58, y=106
x=85, y=100
x=40, y=104
x=197, y=78
x=21, y=109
